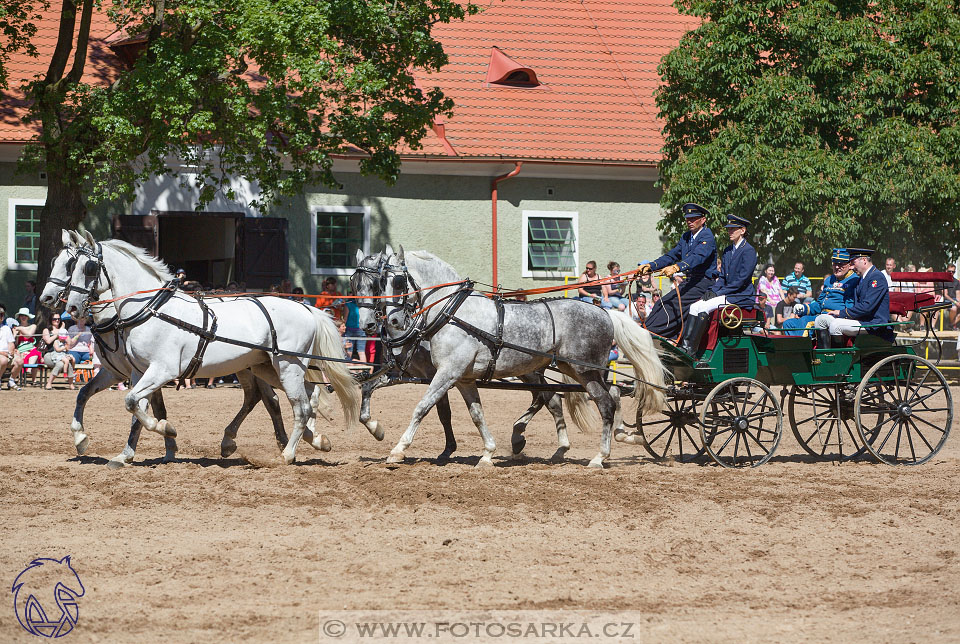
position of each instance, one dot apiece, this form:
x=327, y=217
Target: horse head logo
x=45, y=597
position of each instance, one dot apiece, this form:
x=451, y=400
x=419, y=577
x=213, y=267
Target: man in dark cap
x=871, y=305
x=696, y=257
x=838, y=292
x=734, y=286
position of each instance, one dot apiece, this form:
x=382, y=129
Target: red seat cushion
x=902, y=303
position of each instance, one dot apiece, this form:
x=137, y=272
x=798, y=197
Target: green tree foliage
x=261, y=89
x=825, y=123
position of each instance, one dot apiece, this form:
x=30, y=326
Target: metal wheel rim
x=893, y=428
x=662, y=434
x=722, y=441
x=826, y=426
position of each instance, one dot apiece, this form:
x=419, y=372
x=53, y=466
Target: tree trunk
x=65, y=208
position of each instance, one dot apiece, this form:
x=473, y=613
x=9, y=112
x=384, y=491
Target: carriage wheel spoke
x=916, y=429
x=927, y=422
x=919, y=386
x=756, y=439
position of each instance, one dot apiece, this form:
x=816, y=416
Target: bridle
x=407, y=293
x=93, y=268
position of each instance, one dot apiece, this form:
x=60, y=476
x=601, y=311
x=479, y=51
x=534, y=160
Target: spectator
x=55, y=356
x=613, y=293
x=9, y=356
x=653, y=302
x=181, y=274
x=30, y=297
x=329, y=299
x=647, y=286
x=784, y=309
x=81, y=340
x=593, y=293
x=823, y=283
x=233, y=287
x=3, y=313
x=909, y=287
x=640, y=308
x=769, y=285
x=25, y=338
x=297, y=295
x=890, y=266
x=800, y=281
x=286, y=288
x=352, y=330
x=949, y=294
x=768, y=313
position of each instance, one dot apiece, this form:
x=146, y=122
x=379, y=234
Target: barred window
x=338, y=232
x=26, y=233
x=551, y=243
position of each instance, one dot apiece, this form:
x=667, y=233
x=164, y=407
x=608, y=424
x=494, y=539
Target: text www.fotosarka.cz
x=478, y=626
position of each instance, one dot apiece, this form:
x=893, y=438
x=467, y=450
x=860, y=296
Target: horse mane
x=431, y=259
x=152, y=264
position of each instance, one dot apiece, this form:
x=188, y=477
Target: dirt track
x=214, y=550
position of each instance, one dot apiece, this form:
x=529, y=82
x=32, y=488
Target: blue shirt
x=871, y=303
x=802, y=283
x=353, y=315
x=736, y=274
x=696, y=257
x=836, y=294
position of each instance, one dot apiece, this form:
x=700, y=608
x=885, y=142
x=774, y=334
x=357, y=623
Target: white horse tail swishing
x=172, y=335
x=473, y=337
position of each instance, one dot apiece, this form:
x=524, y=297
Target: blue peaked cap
x=692, y=211
x=840, y=255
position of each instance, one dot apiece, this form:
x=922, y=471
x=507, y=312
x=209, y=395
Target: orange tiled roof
x=596, y=61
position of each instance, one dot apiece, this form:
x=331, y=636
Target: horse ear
x=388, y=251
x=89, y=239
x=400, y=254
x=75, y=237
x=65, y=236
x=359, y=256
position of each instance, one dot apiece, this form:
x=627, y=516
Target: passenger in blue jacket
x=871, y=305
x=696, y=257
x=838, y=292
x=734, y=286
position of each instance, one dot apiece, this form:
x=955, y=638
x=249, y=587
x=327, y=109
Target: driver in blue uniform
x=696, y=256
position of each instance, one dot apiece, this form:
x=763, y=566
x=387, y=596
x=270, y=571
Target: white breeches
x=708, y=306
x=839, y=326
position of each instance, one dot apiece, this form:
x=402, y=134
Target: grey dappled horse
x=161, y=351
x=418, y=365
x=115, y=368
x=579, y=335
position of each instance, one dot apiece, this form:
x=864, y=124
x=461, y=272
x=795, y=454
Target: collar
x=694, y=235
x=739, y=243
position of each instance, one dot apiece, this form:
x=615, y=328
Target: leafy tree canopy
x=264, y=89
x=825, y=123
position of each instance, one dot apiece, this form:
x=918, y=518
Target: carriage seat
x=903, y=303
x=751, y=317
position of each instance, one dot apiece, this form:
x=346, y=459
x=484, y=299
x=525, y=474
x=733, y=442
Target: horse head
x=58, y=282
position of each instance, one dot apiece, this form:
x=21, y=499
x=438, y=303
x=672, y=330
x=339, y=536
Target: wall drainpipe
x=493, y=196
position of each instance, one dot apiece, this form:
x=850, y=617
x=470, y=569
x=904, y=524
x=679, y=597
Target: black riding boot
x=823, y=339
x=693, y=331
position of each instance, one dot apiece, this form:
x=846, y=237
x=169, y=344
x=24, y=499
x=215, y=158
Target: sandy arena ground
x=206, y=549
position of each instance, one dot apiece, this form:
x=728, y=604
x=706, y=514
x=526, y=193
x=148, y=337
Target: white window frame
x=524, y=234
x=365, y=210
x=12, y=264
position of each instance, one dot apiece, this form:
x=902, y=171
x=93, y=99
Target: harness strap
x=202, y=344
x=553, y=333
x=273, y=331
x=497, y=341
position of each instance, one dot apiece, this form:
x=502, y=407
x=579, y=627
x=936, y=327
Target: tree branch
x=83, y=39
x=68, y=20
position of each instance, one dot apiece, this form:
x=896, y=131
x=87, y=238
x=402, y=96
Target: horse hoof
x=322, y=443
x=596, y=463
x=376, y=430
x=228, y=448
x=169, y=457
x=485, y=461
x=395, y=457
x=518, y=456
x=288, y=459
x=81, y=443
x=116, y=464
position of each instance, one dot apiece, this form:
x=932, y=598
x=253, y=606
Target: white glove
x=798, y=309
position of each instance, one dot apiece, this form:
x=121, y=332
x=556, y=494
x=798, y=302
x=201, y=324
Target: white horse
x=115, y=368
x=472, y=338
x=185, y=337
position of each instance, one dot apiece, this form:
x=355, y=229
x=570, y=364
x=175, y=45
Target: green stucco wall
x=447, y=215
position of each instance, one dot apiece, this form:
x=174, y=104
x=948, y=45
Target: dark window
x=551, y=244
x=339, y=235
x=27, y=234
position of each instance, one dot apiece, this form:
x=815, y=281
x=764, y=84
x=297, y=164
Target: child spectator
x=329, y=299
x=80, y=341
x=352, y=330
x=768, y=312
x=55, y=356
x=9, y=356
x=613, y=295
x=784, y=309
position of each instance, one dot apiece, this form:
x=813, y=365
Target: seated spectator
x=9, y=357
x=784, y=310
x=768, y=312
x=909, y=287
x=330, y=299
x=640, y=308
x=233, y=287
x=298, y=295
x=613, y=293
x=889, y=267
x=180, y=274
x=647, y=287
x=769, y=285
x=286, y=288
x=592, y=293
x=55, y=356
x=30, y=297
x=799, y=281
x=80, y=342
x=949, y=294
x=25, y=338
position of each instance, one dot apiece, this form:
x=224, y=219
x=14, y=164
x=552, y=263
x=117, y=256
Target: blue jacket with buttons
x=696, y=257
x=836, y=294
x=871, y=303
x=736, y=275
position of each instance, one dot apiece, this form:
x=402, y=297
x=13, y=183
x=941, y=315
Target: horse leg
x=251, y=396
x=271, y=401
x=170, y=438
x=471, y=395
x=317, y=441
x=291, y=374
x=366, y=393
x=598, y=391
x=151, y=380
x=439, y=386
x=618, y=426
x=98, y=383
x=554, y=402
x=443, y=411
x=517, y=441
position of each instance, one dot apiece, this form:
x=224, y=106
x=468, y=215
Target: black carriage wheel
x=672, y=432
x=821, y=418
x=896, y=410
x=741, y=423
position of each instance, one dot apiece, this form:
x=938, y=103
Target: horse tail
x=582, y=413
x=637, y=345
x=327, y=342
